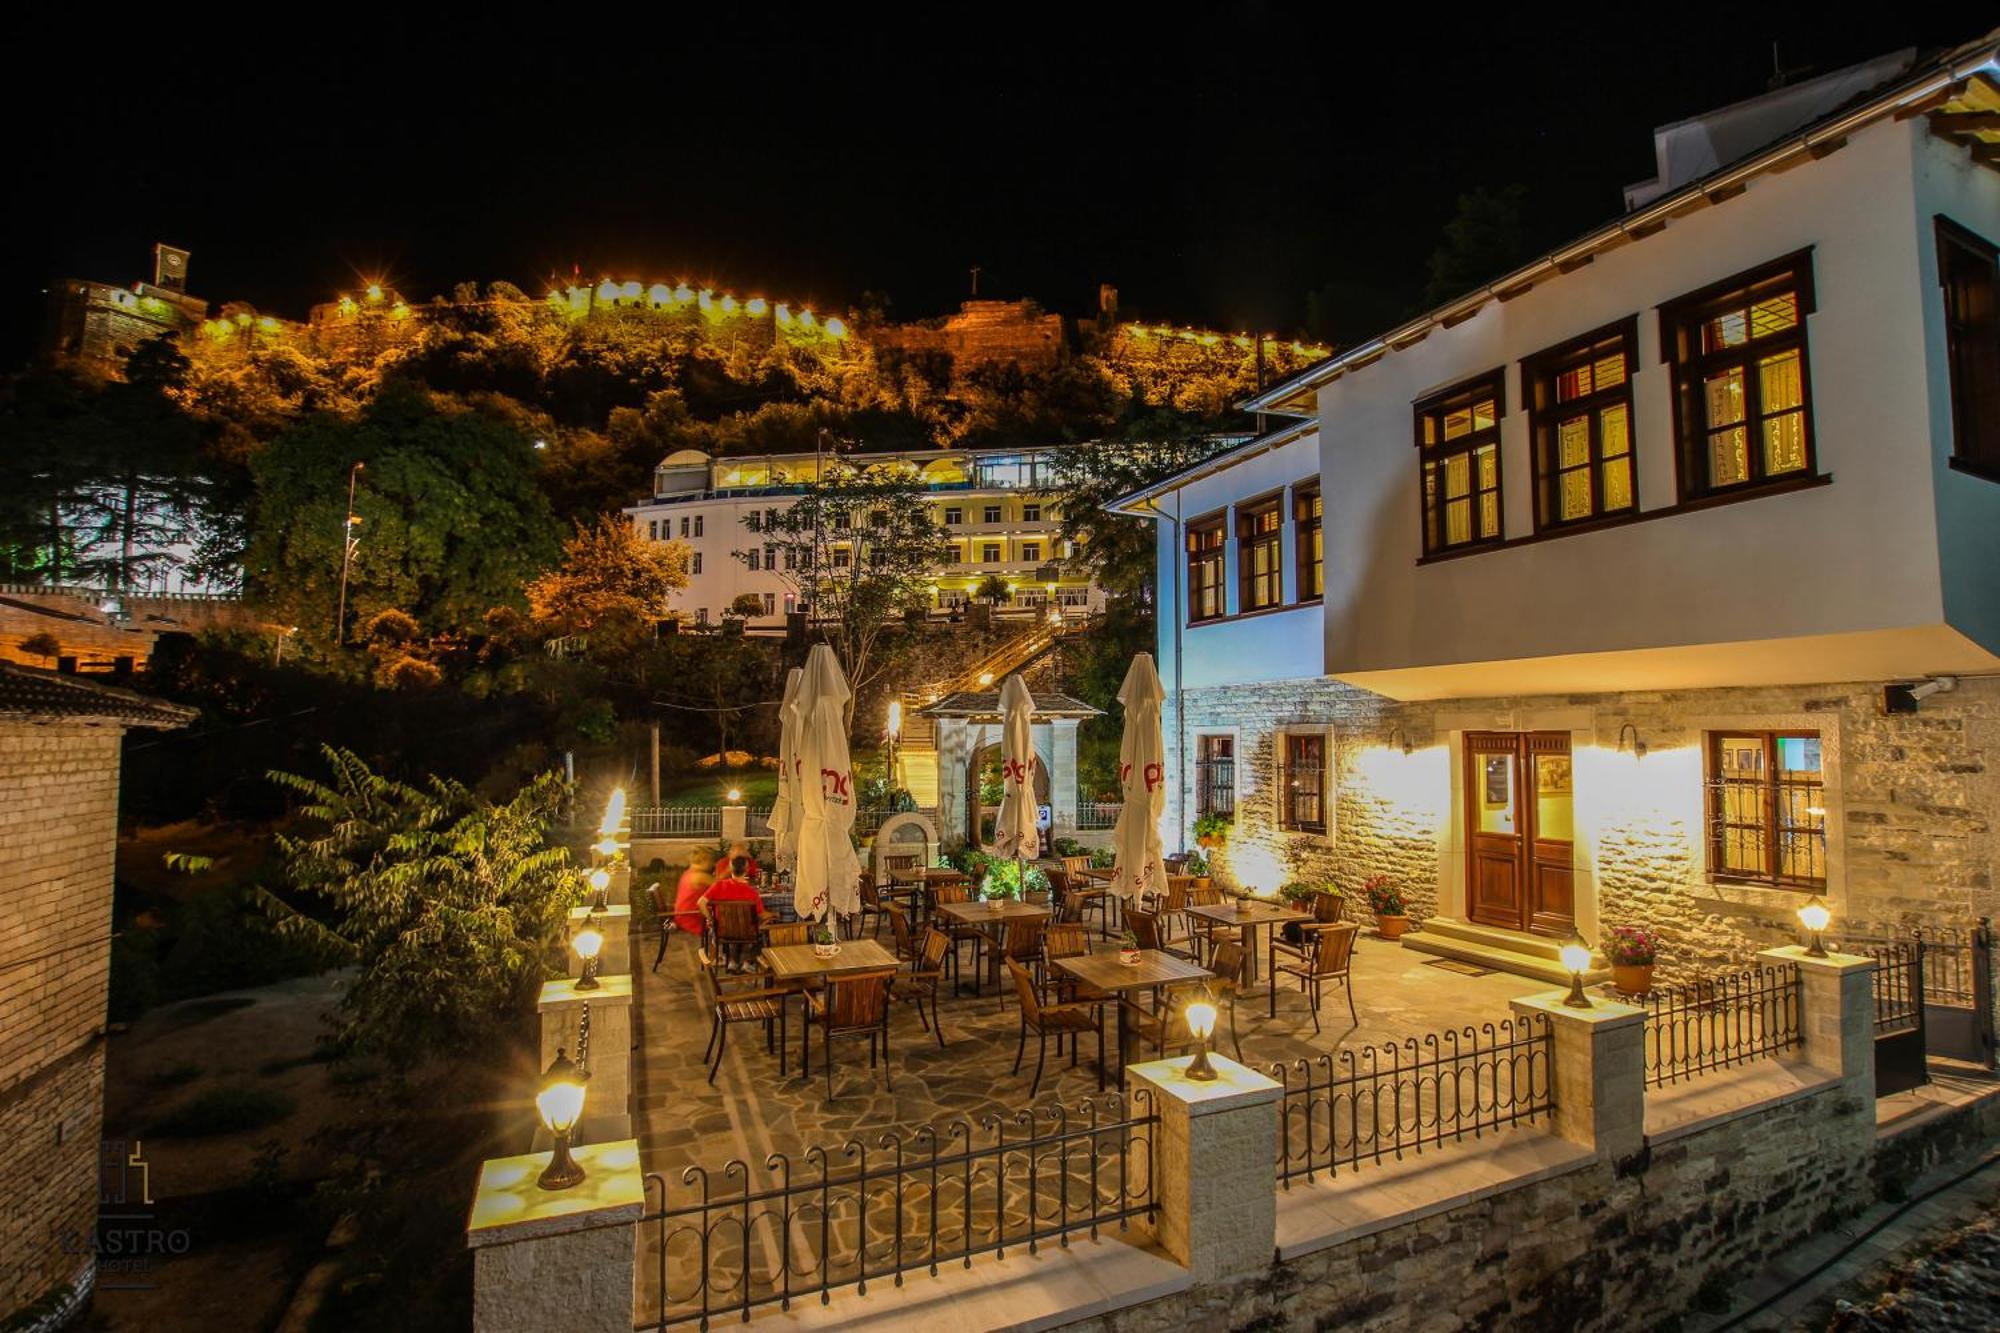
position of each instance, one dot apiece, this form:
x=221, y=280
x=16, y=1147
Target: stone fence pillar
x=1213, y=1177
x=1836, y=1014
x=607, y=1106
x=1599, y=1073
x=736, y=823
x=557, y=1259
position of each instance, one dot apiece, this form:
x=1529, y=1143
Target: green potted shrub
x=1197, y=866
x=1385, y=900
x=1298, y=895
x=824, y=945
x=1211, y=830
x=1632, y=950
x=1128, y=949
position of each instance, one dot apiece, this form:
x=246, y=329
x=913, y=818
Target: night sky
x=1216, y=166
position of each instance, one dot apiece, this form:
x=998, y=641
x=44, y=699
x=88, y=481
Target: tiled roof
x=44, y=696
x=987, y=704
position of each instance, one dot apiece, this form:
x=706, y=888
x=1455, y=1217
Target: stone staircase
x=1513, y=951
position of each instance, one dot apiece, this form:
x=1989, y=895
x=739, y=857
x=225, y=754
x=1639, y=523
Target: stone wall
x=1912, y=799
x=59, y=797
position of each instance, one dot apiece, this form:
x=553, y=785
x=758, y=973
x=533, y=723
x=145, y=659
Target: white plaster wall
x=1858, y=554
x=1274, y=645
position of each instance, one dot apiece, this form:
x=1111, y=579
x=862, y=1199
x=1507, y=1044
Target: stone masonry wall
x=1611, y=1246
x=58, y=836
x=1914, y=801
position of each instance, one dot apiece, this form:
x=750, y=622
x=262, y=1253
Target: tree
x=1485, y=238
x=994, y=589
x=448, y=906
x=610, y=579
x=1117, y=550
x=452, y=523
x=746, y=606
x=860, y=547
x=43, y=645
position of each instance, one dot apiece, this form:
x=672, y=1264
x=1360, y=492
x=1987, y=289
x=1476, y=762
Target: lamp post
x=893, y=732
x=1814, y=916
x=1576, y=958
x=560, y=1104
x=348, y=541
x=1201, y=1025
x=589, y=943
x=600, y=891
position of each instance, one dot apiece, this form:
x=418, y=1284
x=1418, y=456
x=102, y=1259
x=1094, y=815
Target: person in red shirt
x=724, y=862
x=735, y=887
x=687, y=899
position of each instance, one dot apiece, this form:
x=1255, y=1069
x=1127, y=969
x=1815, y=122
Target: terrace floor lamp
x=1576, y=959
x=560, y=1104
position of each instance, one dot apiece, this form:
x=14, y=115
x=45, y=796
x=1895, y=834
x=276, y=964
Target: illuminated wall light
x=728, y=305
x=784, y=314
x=243, y=321
x=267, y=324
x=659, y=294
x=805, y=319
x=347, y=306
x=755, y=305
x=632, y=291
x=374, y=291
x=682, y=295
x=705, y=298
x=401, y=311
x=837, y=327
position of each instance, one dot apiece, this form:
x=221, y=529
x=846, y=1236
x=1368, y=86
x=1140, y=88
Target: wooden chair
x=1203, y=933
x=1332, y=955
x=758, y=1004
x=781, y=933
x=1068, y=1019
x=961, y=893
x=899, y=927
x=924, y=979
x=1075, y=866
x=1068, y=939
x=898, y=883
x=856, y=1005
x=1298, y=940
x=660, y=915
x=732, y=935
x=871, y=907
x=1145, y=928
x=1023, y=943
x=1227, y=965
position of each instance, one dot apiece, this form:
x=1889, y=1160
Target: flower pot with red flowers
x=1632, y=951
x=1385, y=900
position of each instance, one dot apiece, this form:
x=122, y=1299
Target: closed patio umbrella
x=785, y=806
x=1016, y=832
x=829, y=872
x=1142, y=773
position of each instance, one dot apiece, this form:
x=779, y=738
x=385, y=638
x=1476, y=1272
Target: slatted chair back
x=1065, y=939
x=1074, y=866
x=871, y=897
x=932, y=951
x=1060, y=882
x=788, y=932
x=1024, y=987
x=735, y=922
x=954, y=893
x=1145, y=927
x=1024, y=936
x=1336, y=947
x=898, y=863
x=857, y=1001
x=1197, y=896
x=1177, y=892
x=899, y=924
x=1227, y=964
x=1328, y=907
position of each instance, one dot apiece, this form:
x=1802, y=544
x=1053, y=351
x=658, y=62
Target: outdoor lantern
x=614, y=812
x=606, y=847
x=1814, y=916
x=734, y=795
x=588, y=944
x=600, y=884
x=1201, y=1025
x=560, y=1103
x=895, y=718
x=1576, y=958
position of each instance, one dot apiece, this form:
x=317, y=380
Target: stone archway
x=976, y=809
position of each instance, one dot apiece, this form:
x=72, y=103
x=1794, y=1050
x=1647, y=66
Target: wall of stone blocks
x=1917, y=794
x=58, y=837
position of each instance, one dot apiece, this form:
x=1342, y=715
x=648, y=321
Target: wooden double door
x=1519, y=831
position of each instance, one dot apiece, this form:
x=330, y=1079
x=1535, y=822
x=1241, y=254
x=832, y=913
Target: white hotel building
x=1592, y=597
x=994, y=507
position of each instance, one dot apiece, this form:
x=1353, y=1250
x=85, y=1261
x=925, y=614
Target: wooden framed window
x=1742, y=395
x=1031, y=551
x=1302, y=784
x=1580, y=419
x=1204, y=571
x=1969, y=272
x=1215, y=776
x=953, y=516
x=989, y=514
x=1260, y=559
x=989, y=553
x=1458, y=437
x=1306, y=519
x=1767, y=808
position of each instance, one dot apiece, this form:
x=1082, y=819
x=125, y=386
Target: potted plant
x=1211, y=830
x=1197, y=866
x=1128, y=950
x=1298, y=895
x=1385, y=900
x=823, y=943
x=1632, y=950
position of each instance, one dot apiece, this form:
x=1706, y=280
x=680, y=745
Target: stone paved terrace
x=750, y=1113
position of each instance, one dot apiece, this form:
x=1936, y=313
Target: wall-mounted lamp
x=1638, y=742
x=1396, y=733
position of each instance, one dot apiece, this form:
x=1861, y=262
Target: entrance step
x=1512, y=951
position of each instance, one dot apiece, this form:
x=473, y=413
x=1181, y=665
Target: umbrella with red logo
x=829, y=872
x=1142, y=773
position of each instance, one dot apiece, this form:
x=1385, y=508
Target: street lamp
x=614, y=813
x=1576, y=958
x=1814, y=916
x=893, y=732
x=588, y=944
x=348, y=541
x=560, y=1103
x=1201, y=1025
x=600, y=886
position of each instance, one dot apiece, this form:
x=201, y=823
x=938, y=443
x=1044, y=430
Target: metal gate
x=1899, y=1015
x=1933, y=996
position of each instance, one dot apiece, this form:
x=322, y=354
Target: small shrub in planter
x=1385, y=900
x=1211, y=830
x=1632, y=951
x=1197, y=866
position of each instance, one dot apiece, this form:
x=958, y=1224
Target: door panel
x=1519, y=834
x=1551, y=884
x=1493, y=815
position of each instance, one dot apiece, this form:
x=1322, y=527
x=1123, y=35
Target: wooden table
x=994, y=913
x=1155, y=968
x=798, y=962
x=1248, y=916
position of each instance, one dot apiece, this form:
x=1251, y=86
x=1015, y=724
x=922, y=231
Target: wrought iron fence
x=1957, y=959
x=1098, y=814
x=676, y=821
x=1715, y=1022
x=726, y=1243
x=1897, y=984
x=1357, y=1107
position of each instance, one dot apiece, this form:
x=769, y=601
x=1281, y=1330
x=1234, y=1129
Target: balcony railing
x=1098, y=815
x=1713, y=1023
x=1351, y=1109
x=728, y=1242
